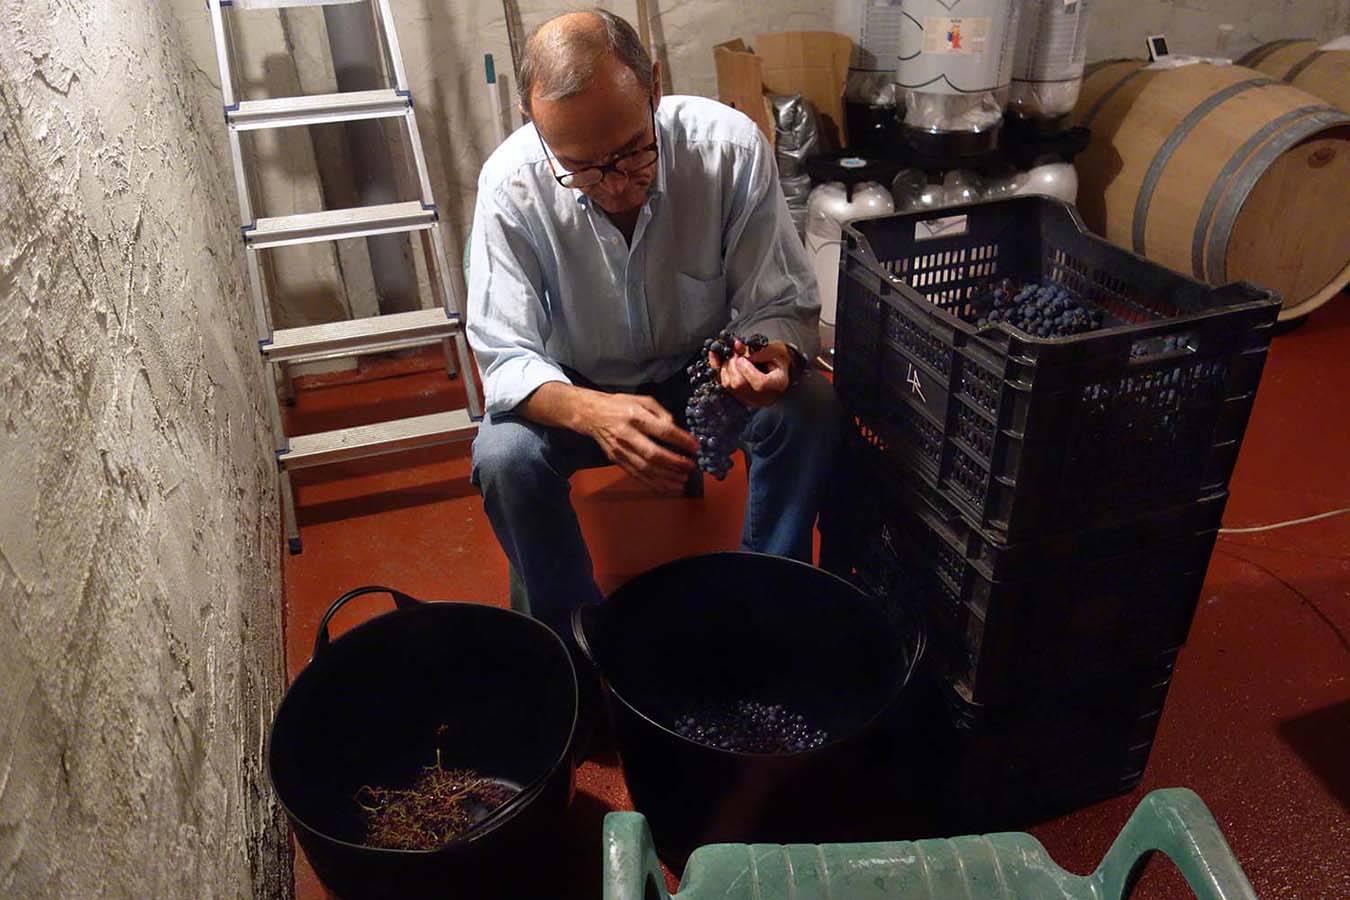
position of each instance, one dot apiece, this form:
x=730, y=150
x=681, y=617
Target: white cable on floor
x=1255, y=528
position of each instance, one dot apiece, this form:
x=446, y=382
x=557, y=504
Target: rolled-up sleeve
x=769, y=278
x=508, y=323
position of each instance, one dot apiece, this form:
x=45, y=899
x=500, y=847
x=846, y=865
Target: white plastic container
x=960, y=186
x=1048, y=64
x=829, y=207
x=869, y=90
x=1054, y=179
x=874, y=26
x=953, y=72
x=912, y=193
x=1049, y=179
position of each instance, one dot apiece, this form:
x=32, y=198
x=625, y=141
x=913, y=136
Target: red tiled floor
x=1258, y=719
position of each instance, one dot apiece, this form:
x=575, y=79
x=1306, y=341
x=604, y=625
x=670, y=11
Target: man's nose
x=616, y=184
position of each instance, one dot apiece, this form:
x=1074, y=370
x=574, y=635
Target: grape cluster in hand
x=1040, y=310
x=716, y=418
x=747, y=726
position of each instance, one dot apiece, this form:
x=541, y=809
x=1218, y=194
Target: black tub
x=743, y=625
x=489, y=688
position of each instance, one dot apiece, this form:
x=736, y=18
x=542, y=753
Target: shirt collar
x=664, y=149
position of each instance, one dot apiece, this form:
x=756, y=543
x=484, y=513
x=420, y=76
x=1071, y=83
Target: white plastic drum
x=1048, y=65
x=827, y=210
x=955, y=63
x=869, y=90
x=874, y=26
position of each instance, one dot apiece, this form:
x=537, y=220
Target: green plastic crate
x=1011, y=865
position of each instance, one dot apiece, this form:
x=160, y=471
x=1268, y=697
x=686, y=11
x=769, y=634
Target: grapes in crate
x=1038, y=310
x=716, y=418
x=748, y=726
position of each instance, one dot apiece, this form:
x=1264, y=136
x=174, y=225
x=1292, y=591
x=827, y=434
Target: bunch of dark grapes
x=715, y=417
x=1040, y=310
x=748, y=726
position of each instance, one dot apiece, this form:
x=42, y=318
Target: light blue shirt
x=553, y=283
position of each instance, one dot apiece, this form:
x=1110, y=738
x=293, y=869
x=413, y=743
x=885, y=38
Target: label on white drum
x=964, y=36
x=957, y=48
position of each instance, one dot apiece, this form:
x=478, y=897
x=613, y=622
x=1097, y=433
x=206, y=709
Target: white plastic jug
x=827, y=209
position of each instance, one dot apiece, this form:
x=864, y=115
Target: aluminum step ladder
x=442, y=324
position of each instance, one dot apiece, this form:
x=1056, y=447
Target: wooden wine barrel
x=1221, y=172
x=1325, y=73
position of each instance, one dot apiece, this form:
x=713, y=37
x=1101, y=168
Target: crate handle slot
x=1153, y=348
x=941, y=227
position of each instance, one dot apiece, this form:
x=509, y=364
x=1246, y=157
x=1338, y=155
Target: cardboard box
x=811, y=63
x=740, y=84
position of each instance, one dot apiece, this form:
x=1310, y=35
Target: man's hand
x=628, y=428
x=759, y=379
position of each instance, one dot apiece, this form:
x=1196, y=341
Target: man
x=612, y=236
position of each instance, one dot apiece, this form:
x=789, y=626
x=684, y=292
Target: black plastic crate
x=1031, y=436
x=999, y=769
x=1011, y=621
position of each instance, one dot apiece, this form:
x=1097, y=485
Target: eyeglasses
x=628, y=164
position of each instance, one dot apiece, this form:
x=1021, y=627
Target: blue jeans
x=522, y=470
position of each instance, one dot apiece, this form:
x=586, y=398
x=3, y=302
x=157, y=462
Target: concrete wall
x=1192, y=26
x=140, y=654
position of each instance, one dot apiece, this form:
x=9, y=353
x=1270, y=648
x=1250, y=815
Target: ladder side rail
x=393, y=53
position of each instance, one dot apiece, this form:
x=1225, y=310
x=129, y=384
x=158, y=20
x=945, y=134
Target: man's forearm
x=559, y=405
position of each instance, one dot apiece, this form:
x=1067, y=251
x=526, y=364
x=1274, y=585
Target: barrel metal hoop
x=1169, y=146
x=1253, y=57
x=1091, y=68
x=1210, y=258
x=1302, y=64
x=1219, y=187
x=1107, y=95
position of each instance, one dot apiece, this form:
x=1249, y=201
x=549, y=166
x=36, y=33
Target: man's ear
x=524, y=113
x=656, y=82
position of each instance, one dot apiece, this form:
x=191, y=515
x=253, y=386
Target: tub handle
x=401, y=600
x=579, y=617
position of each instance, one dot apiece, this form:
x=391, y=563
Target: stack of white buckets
x=1050, y=50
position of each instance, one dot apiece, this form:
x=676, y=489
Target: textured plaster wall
x=140, y=654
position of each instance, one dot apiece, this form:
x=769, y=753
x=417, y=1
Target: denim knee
x=809, y=412
x=510, y=451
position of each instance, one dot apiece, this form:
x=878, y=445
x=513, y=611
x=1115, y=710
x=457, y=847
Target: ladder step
x=316, y=109
x=281, y=4
x=392, y=331
x=338, y=224
x=382, y=437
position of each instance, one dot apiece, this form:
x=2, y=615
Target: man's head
x=589, y=85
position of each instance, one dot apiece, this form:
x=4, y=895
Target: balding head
x=565, y=54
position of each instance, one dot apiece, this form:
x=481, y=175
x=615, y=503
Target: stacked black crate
x=1050, y=505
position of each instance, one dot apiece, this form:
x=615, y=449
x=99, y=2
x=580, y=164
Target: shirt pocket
x=703, y=305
